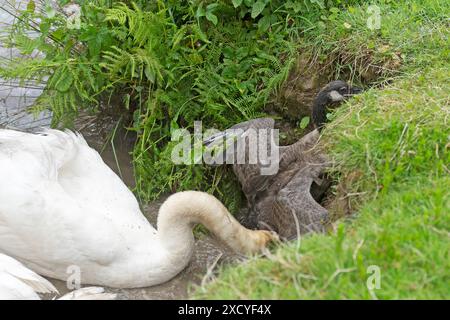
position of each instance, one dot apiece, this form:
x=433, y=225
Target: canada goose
x=20, y=283
x=286, y=201
x=61, y=205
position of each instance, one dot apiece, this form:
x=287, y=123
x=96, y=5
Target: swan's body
x=61, y=206
x=20, y=283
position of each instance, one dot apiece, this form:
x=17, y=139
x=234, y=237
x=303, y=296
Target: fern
x=62, y=79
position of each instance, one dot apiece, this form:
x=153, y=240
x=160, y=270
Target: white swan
x=19, y=283
x=60, y=206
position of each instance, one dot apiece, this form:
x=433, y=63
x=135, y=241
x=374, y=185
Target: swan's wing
x=93, y=184
x=40, y=155
x=20, y=272
x=89, y=293
x=47, y=230
x=66, y=159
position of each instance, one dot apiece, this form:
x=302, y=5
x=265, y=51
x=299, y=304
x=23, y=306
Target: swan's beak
x=275, y=238
x=268, y=237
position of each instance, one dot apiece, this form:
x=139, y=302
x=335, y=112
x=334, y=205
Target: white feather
x=18, y=282
x=89, y=293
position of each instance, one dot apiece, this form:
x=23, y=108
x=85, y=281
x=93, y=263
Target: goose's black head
x=331, y=95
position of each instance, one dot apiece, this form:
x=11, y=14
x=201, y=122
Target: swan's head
x=260, y=240
x=332, y=94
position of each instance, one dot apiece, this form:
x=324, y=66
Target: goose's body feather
x=61, y=206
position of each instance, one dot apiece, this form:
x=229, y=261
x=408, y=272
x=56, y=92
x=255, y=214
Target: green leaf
x=296, y=6
x=249, y=3
x=264, y=23
x=174, y=125
x=304, y=122
x=51, y=13
x=44, y=26
x=31, y=6
x=211, y=7
x=334, y=10
x=320, y=3
x=94, y=47
x=126, y=101
x=200, y=11
x=62, y=79
x=58, y=34
x=257, y=8
x=236, y=3
x=211, y=17
x=149, y=74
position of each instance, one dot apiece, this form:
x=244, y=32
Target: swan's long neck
x=181, y=211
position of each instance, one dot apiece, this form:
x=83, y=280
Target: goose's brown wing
x=303, y=150
x=249, y=174
x=295, y=155
x=291, y=195
x=260, y=123
x=273, y=197
x=294, y=210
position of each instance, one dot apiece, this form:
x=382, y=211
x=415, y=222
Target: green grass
x=396, y=140
x=409, y=243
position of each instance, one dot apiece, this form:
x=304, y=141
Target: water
x=15, y=98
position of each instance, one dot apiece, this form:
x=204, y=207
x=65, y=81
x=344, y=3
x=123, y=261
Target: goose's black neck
x=319, y=110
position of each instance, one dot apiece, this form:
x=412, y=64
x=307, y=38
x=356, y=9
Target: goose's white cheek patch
x=336, y=96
